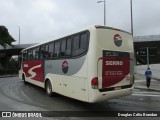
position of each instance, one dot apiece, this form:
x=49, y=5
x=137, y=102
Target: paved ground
x=17, y=96
x=140, y=83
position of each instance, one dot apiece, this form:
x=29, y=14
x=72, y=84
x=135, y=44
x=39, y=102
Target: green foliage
x=5, y=37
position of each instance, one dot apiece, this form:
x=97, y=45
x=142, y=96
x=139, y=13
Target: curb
x=144, y=88
x=5, y=76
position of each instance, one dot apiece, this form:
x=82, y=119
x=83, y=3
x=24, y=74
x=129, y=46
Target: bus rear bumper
x=103, y=96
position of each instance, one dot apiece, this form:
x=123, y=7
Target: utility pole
x=131, y=17
x=104, y=10
x=147, y=57
x=19, y=33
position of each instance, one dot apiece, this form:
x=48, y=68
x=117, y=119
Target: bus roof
x=83, y=29
x=107, y=27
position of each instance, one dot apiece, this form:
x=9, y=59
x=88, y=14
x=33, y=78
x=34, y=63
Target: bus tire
x=49, y=88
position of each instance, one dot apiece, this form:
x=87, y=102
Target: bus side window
x=37, y=56
x=80, y=42
x=63, y=48
x=42, y=52
x=46, y=52
x=34, y=53
x=29, y=55
x=51, y=49
x=56, y=49
x=76, y=45
x=83, y=43
x=68, y=47
x=24, y=55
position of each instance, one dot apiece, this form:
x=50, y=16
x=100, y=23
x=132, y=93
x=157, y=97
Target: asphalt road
x=17, y=96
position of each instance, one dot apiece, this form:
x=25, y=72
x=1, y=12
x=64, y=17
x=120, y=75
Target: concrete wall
x=155, y=68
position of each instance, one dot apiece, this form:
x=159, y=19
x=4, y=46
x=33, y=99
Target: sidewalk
x=5, y=76
x=140, y=83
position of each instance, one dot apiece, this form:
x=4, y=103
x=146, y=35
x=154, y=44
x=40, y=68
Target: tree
x=5, y=37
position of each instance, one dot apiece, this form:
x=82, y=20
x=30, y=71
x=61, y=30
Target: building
x=8, y=52
x=144, y=59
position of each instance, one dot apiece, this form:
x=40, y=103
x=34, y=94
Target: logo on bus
x=118, y=40
x=114, y=62
x=65, y=67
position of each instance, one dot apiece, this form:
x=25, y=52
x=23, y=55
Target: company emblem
x=65, y=67
x=32, y=72
x=118, y=40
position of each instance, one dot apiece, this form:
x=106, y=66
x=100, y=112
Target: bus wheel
x=49, y=88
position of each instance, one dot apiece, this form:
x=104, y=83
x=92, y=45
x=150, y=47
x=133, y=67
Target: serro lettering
x=114, y=62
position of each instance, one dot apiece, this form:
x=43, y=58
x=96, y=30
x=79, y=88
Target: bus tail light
x=94, y=83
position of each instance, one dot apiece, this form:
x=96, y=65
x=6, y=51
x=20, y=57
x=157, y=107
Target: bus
x=92, y=65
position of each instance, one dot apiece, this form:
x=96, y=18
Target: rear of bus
x=111, y=52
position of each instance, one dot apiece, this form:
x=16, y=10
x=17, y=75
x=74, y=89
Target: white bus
x=91, y=65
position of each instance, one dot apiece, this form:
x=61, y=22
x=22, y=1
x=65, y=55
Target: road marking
x=148, y=95
x=157, y=93
x=140, y=81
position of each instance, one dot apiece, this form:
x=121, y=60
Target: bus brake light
x=94, y=83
